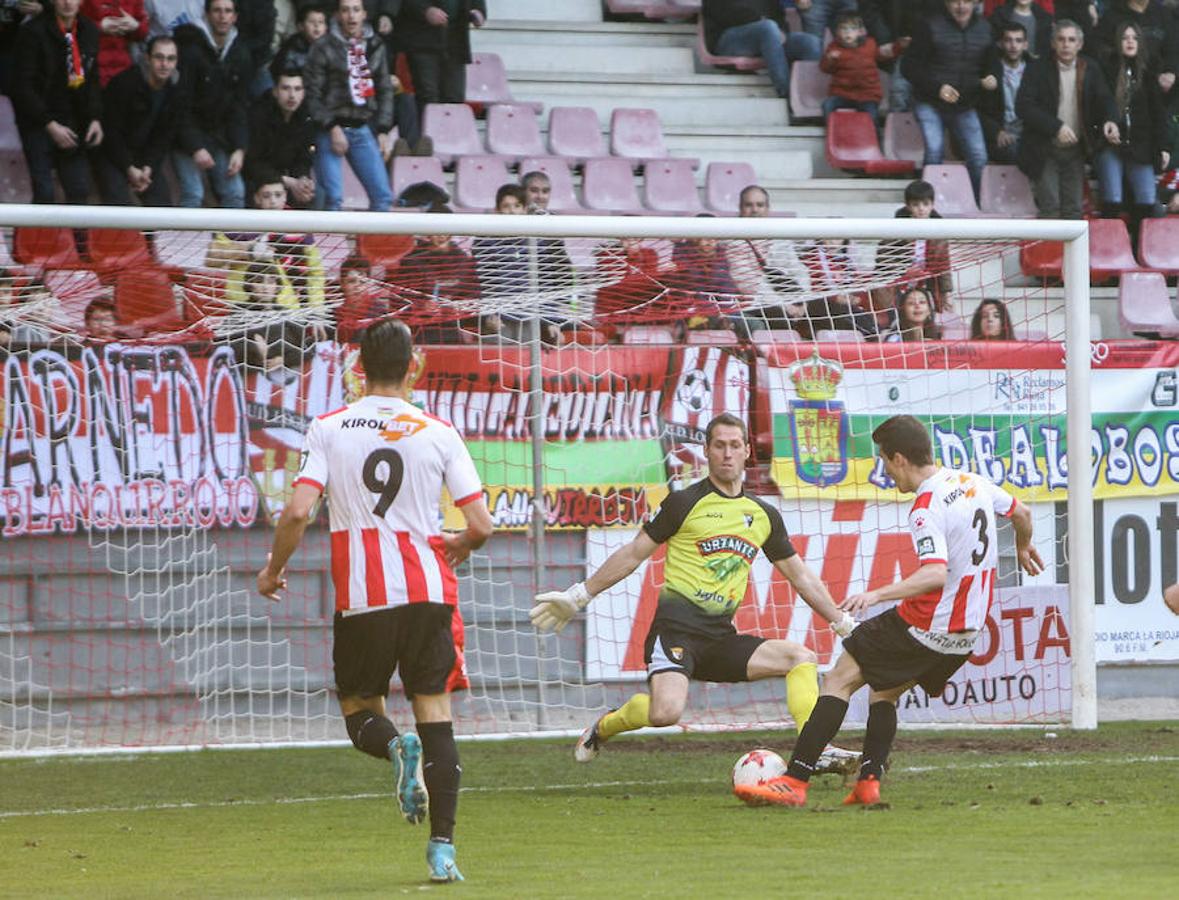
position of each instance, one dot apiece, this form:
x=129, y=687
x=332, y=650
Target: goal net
x=161, y=369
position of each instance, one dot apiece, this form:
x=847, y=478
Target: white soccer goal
x=581, y=358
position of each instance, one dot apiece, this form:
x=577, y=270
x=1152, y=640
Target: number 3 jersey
x=953, y=522
x=383, y=463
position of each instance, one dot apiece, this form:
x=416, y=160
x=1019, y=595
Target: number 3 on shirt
x=387, y=486
x=980, y=522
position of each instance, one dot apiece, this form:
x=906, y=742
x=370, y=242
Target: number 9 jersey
x=383, y=463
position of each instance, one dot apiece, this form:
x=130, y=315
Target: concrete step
x=837, y=196
x=610, y=36
x=772, y=150
x=567, y=58
x=556, y=11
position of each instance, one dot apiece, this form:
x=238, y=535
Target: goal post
x=141, y=477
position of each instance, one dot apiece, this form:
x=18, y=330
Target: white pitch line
x=533, y=788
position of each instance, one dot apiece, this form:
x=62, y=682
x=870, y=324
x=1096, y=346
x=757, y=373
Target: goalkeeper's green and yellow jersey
x=712, y=540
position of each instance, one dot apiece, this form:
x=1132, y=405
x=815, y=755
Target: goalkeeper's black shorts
x=415, y=640
x=720, y=658
x=889, y=656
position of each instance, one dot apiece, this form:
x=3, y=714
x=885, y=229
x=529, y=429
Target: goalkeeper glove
x=554, y=609
x=845, y=626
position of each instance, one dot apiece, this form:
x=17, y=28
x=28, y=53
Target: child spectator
x=628, y=273
x=292, y=54
x=440, y=286
x=100, y=325
x=920, y=263
x=915, y=317
x=991, y=322
x=275, y=347
x=850, y=59
x=361, y=299
x=121, y=24
x=702, y=272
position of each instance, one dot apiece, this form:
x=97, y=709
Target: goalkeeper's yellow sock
x=802, y=692
x=631, y=715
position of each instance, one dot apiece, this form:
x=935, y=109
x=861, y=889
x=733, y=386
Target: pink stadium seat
x=671, y=187
x=15, y=186
x=953, y=191
x=711, y=337
x=46, y=248
x=407, y=170
x=740, y=63
x=1144, y=304
x=845, y=335
x=513, y=131
x=487, y=83
x=181, y=249
x=476, y=179
x=1006, y=191
x=563, y=198
x=1110, y=252
x=574, y=132
x=1041, y=259
x=902, y=138
x=1158, y=245
x=851, y=145
x=636, y=134
x=452, y=128
x=647, y=334
x=768, y=337
x=650, y=9
x=808, y=89
x=723, y=184
x=609, y=185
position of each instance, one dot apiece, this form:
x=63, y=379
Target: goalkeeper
x=713, y=531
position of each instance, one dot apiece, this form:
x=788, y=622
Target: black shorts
x=720, y=658
x=889, y=656
x=415, y=640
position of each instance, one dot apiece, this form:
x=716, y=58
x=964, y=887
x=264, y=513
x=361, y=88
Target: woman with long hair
x=991, y=322
x=1140, y=148
x=915, y=317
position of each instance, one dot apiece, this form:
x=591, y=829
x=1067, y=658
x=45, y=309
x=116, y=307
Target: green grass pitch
x=979, y=814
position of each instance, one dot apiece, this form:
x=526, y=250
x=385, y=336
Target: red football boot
x=866, y=792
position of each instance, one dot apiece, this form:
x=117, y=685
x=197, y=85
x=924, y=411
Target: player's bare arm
x=930, y=577
x=554, y=609
x=459, y=544
x=1029, y=556
x=287, y=535
x=811, y=588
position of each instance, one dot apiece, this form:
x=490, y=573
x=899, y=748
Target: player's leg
x=370, y=730
x=363, y=660
x=878, y=738
x=442, y=773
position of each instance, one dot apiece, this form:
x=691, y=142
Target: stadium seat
x=1144, y=304
x=902, y=138
x=563, y=198
x=1110, y=251
x=574, y=132
x=1006, y=191
x=845, y=335
x=768, y=337
x=711, y=337
x=1041, y=259
x=808, y=89
x=15, y=186
x=648, y=334
x=487, y=83
x=851, y=145
x=953, y=190
x=114, y=250
x=740, y=63
x=650, y=9
x=1158, y=245
x=609, y=185
x=671, y=187
x=723, y=184
x=407, y=170
x=452, y=128
x=144, y=297
x=383, y=249
x=636, y=134
x=181, y=249
x=46, y=248
x=513, y=131
x=476, y=179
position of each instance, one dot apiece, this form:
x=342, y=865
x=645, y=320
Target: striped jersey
x=383, y=463
x=953, y=522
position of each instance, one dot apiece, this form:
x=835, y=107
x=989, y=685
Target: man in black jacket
x=891, y=23
x=435, y=36
x=282, y=139
x=215, y=72
x=996, y=106
x=56, y=97
x=1063, y=101
x=945, y=65
x=141, y=110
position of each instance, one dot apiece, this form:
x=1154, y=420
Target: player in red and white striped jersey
x=383, y=463
x=944, y=604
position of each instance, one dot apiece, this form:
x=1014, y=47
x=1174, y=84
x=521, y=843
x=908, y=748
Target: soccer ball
x=757, y=767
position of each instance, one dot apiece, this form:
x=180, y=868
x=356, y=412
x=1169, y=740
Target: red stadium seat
x=383, y=249
x=407, y=170
x=671, y=187
x=1144, y=304
x=113, y=251
x=46, y=248
x=851, y=145
x=144, y=297
x=902, y=138
x=953, y=190
x=513, y=131
x=1158, y=245
x=1006, y=191
x=563, y=198
x=609, y=185
x=1042, y=259
x=723, y=184
x=452, y=128
x=487, y=83
x=808, y=89
x=574, y=132
x=1110, y=252
x=476, y=179
x=740, y=63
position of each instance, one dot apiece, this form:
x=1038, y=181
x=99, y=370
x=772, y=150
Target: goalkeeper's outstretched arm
x=554, y=609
